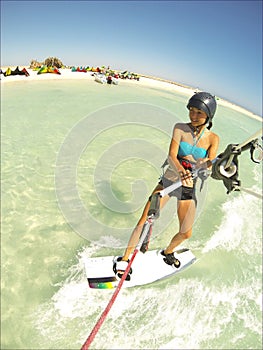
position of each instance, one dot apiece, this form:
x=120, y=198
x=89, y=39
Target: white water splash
x=240, y=227
x=179, y=313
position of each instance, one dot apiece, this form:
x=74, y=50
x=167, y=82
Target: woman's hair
x=210, y=125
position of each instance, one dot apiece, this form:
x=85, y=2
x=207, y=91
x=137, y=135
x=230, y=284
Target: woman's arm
x=185, y=175
x=211, y=153
x=173, y=150
x=212, y=150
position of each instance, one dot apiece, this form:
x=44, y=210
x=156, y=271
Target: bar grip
x=154, y=209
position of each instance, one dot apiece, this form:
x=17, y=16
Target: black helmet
x=204, y=101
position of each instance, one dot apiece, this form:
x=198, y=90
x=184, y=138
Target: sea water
x=79, y=160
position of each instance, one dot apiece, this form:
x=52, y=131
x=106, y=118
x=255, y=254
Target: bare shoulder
x=181, y=127
x=212, y=134
x=213, y=137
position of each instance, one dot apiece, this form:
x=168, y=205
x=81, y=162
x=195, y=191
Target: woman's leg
x=134, y=239
x=186, y=216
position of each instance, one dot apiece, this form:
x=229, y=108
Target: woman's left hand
x=186, y=178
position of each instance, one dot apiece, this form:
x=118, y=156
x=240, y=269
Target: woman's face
x=197, y=116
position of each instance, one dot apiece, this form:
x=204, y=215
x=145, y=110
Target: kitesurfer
x=192, y=144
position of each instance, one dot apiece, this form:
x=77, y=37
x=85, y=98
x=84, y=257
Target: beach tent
x=17, y=71
x=46, y=69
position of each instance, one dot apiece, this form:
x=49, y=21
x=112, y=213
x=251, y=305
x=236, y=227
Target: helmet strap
x=207, y=121
x=196, y=129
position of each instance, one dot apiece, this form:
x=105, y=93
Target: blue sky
x=212, y=45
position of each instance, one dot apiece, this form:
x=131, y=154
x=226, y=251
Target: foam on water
x=191, y=311
x=185, y=312
x=241, y=225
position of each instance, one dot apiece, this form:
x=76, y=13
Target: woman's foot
x=170, y=259
x=119, y=268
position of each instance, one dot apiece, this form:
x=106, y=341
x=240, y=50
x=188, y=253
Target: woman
x=192, y=144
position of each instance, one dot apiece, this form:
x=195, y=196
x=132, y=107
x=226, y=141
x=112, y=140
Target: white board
x=146, y=268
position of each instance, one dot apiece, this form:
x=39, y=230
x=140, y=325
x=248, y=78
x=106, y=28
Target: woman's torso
x=194, y=147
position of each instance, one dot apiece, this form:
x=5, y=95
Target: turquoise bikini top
x=186, y=149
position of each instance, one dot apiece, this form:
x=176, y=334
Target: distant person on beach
x=109, y=79
x=192, y=144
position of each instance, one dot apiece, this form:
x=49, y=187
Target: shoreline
x=145, y=80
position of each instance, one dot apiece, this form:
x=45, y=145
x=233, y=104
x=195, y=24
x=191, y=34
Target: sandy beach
x=67, y=74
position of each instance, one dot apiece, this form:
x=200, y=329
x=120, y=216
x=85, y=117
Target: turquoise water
x=79, y=160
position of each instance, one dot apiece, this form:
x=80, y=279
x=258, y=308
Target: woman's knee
x=186, y=234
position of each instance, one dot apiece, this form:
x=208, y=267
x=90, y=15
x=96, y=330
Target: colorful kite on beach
x=46, y=69
x=79, y=69
x=17, y=71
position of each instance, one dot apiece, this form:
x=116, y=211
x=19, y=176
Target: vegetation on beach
x=49, y=62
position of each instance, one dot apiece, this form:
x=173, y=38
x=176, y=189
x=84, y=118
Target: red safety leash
x=145, y=236
x=96, y=328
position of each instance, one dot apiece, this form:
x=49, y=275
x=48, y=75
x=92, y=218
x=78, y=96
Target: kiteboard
x=146, y=268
